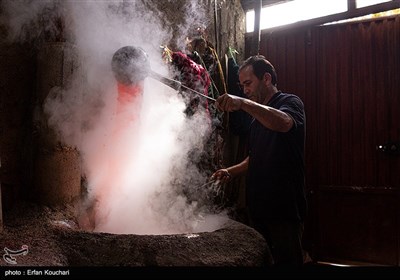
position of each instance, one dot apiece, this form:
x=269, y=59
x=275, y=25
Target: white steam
x=139, y=164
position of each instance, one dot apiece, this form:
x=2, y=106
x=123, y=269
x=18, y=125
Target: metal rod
x=176, y=85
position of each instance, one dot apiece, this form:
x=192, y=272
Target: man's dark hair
x=260, y=66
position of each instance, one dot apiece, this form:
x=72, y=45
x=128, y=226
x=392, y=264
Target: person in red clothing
x=191, y=75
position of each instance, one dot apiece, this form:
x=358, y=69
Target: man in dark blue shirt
x=274, y=167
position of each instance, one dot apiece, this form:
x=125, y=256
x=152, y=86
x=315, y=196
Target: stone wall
x=226, y=17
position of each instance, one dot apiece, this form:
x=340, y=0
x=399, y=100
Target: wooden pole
x=255, y=48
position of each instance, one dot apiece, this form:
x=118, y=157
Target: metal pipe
x=176, y=85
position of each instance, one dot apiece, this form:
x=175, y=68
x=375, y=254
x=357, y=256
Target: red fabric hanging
x=192, y=75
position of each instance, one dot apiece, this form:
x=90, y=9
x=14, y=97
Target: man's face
x=252, y=86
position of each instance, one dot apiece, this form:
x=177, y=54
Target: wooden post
x=255, y=47
x=1, y=206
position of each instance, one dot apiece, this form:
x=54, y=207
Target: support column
x=57, y=167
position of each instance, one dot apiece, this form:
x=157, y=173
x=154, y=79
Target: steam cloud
x=139, y=164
